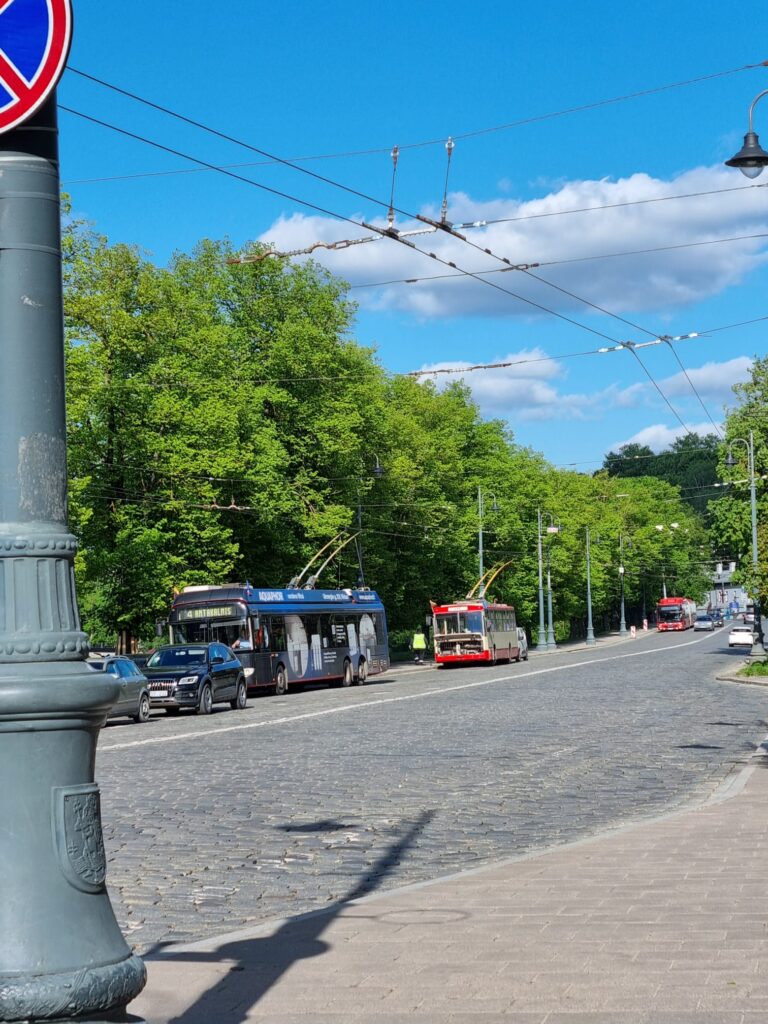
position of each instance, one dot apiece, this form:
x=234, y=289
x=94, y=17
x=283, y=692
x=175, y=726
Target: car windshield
x=177, y=657
x=703, y=618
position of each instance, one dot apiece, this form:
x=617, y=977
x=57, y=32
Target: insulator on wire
x=449, y=147
x=391, y=211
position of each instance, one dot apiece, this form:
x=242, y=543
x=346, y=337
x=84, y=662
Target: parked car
x=522, y=643
x=741, y=636
x=195, y=676
x=133, y=699
x=703, y=622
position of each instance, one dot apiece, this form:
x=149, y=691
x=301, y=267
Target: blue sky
x=309, y=80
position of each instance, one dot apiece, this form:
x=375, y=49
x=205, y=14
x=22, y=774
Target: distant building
x=725, y=593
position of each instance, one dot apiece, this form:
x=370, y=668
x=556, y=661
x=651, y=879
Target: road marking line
x=394, y=700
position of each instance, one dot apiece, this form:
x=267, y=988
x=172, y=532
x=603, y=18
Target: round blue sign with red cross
x=34, y=44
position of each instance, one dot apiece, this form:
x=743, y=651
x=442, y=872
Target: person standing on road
x=418, y=646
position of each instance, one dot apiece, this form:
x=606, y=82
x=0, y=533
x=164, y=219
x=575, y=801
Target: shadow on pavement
x=258, y=963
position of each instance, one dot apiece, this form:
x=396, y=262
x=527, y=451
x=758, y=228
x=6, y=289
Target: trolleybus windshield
x=670, y=614
x=458, y=622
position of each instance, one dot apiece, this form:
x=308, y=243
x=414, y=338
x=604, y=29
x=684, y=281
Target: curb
x=749, y=680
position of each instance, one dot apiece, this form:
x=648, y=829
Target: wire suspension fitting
x=449, y=147
x=391, y=212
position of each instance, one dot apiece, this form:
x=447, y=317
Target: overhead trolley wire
x=496, y=128
x=561, y=262
x=390, y=232
x=330, y=213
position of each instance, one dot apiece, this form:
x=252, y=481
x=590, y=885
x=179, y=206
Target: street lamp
x=546, y=639
x=590, y=628
x=480, y=517
x=758, y=648
x=377, y=473
x=62, y=955
x=622, y=620
x=751, y=158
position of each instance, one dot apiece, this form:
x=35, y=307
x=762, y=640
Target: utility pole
x=480, y=530
x=590, y=628
x=622, y=620
x=541, y=643
x=62, y=956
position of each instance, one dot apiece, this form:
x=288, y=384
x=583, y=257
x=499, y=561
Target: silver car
x=133, y=699
x=704, y=622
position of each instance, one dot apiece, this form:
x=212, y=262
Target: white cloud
x=713, y=380
x=526, y=390
x=540, y=232
x=659, y=436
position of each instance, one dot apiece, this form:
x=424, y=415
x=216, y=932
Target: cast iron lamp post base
x=62, y=956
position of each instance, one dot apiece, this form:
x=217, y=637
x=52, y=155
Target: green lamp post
x=62, y=956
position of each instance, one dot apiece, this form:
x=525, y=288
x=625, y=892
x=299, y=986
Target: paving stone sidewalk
x=664, y=922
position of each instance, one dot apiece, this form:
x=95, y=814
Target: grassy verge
x=756, y=668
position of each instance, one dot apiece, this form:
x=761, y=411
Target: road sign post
x=62, y=956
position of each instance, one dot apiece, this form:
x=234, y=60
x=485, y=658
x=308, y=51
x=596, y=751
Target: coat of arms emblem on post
x=78, y=837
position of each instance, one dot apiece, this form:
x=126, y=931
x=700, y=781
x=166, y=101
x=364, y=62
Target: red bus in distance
x=675, y=613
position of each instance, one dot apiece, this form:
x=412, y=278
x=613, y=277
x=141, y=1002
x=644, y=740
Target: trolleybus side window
x=276, y=631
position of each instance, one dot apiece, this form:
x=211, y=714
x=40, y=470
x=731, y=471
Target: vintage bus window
x=470, y=622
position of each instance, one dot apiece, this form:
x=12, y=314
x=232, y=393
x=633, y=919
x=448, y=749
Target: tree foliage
x=690, y=463
x=224, y=424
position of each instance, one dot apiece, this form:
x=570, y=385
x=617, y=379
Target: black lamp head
x=751, y=158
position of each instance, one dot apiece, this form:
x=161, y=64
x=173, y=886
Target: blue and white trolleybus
x=288, y=637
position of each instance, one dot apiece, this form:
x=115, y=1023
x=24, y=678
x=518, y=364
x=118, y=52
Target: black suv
x=195, y=676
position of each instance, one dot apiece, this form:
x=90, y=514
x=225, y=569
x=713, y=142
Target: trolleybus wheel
x=281, y=682
x=347, y=679
x=362, y=672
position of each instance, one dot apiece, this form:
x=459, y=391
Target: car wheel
x=205, y=706
x=281, y=682
x=142, y=713
x=241, y=700
x=347, y=678
x=362, y=672
x=525, y=656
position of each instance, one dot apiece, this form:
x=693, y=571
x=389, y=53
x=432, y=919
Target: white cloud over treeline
x=543, y=231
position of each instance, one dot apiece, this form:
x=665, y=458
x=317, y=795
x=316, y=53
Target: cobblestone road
x=210, y=827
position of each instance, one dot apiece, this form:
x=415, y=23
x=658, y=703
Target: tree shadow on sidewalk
x=259, y=963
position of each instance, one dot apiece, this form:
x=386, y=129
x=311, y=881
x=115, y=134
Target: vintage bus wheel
x=347, y=679
x=362, y=672
x=281, y=682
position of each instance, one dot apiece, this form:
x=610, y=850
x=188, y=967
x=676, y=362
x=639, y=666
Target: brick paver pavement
x=664, y=922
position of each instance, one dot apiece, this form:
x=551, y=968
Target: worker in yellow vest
x=418, y=646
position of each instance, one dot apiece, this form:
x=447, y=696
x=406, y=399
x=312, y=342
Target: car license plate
x=159, y=693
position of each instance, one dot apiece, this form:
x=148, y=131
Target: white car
x=741, y=636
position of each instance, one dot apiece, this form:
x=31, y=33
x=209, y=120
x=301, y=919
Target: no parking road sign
x=34, y=45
